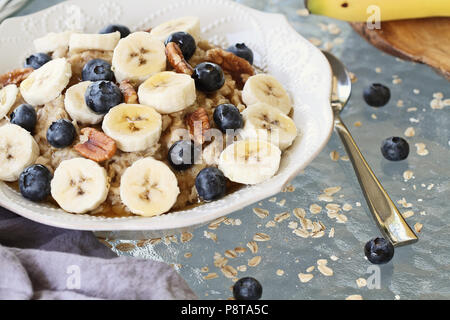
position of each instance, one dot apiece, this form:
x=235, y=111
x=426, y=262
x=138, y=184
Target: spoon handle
x=391, y=222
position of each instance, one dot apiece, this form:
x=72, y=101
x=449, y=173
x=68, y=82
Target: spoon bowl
x=342, y=84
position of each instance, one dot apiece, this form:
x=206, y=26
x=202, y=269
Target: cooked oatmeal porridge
x=143, y=123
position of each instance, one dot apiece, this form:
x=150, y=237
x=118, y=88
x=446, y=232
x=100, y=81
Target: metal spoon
x=391, y=223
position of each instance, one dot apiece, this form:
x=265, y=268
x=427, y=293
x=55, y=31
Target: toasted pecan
x=176, y=59
x=128, y=91
x=230, y=62
x=98, y=147
x=15, y=76
x=198, y=123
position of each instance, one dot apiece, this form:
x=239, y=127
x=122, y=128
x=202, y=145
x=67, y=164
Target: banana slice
x=46, y=83
x=268, y=123
x=83, y=41
x=18, y=150
x=76, y=107
x=168, y=92
x=8, y=96
x=266, y=89
x=79, y=185
x=137, y=57
x=190, y=25
x=149, y=188
x=53, y=41
x=134, y=127
x=250, y=161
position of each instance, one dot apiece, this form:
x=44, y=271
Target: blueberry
x=211, y=184
x=34, y=183
x=208, y=77
x=61, y=134
x=25, y=116
x=247, y=289
x=37, y=60
x=241, y=50
x=182, y=155
x=185, y=41
x=377, y=95
x=124, y=31
x=379, y=251
x=395, y=149
x=228, y=117
x=101, y=96
x=97, y=70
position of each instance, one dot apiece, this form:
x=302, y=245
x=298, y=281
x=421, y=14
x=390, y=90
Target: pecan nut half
x=128, y=91
x=198, y=123
x=98, y=147
x=176, y=59
x=229, y=62
x=15, y=76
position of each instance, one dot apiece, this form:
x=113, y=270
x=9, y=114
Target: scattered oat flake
x=422, y=149
x=273, y=199
x=341, y=218
x=353, y=77
x=253, y=246
x=230, y=254
x=210, y=235
x=414, y=109
x=408, y=214
x=396, y=80
x=430, y=186
x=345, y=158
x=354, y=297
x=125, y=247
x=305, y=277
x=361, y=282
x=318, y=234
x=333, y=190
x=347, y=207
x=418, y=227
x=301, y=233
x=310, y=269
x=261, y=237
x=299, y=213
x=315, y=209
x=253, y=262
x=282, y=203
x=358, y=124
x=416, y=91
x=261, y=213
x=281, y=217
x=404, y=203
x=321, y=262
x=410, y=132
x=326, y=271
x=240, y=250
x=397, y=297
x=280, y=272
x=408, y=175
x=293, y=225
x=325, y=198
x=242, y=268
x=438, y=95
x=229, y=272
x=204, y=269
x=186, y=237
x=188, y=255
x=316, y=42
x=334, y=155
x=331, y=233
x=210, y=276
x=271, y=224
x=378, y=70
x=333, y=29
x=334, y=258
x=289, y=188
x=400, y=103
x=374, y=116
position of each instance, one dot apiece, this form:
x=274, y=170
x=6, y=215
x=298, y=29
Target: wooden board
x=420, y=40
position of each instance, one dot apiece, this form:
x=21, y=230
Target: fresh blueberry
x=185, y=41
x=61, y=134
x=379, y=251
x=182, y=155
x=34, y=183
x=377, y=95
x=208, y=77
x=395, y=149
x=228, y=117
x=211, y=184
x=25, y=116
x=124, y=31
x=101, y=96
x=97, y=70
x=241, y=50
x=247, y=289
x=37, y=60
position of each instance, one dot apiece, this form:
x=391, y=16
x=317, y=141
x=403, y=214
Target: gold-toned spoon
x=391, y=223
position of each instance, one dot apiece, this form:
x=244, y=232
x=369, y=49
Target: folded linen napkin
x=41, y=262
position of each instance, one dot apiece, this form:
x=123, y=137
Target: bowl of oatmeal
x=117, y=119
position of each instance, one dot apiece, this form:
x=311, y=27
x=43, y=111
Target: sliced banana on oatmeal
x=268, y=123
x=134, y=127
x=79, y=185
x=76, y=107
x=250, y=161
x=84, y=41
x=168, y=92
x=266, y=89
x=149, y=188
x=189, y=25
x=137, y=57
x=46, y=83
x=8, y=96
x=53, y=41
x=18, y=150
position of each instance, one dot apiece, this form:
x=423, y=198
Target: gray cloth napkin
x=41, y=262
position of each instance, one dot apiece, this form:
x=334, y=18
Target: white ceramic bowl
x=279, y=50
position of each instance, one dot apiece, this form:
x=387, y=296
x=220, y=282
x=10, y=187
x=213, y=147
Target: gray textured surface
x=418, y=271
